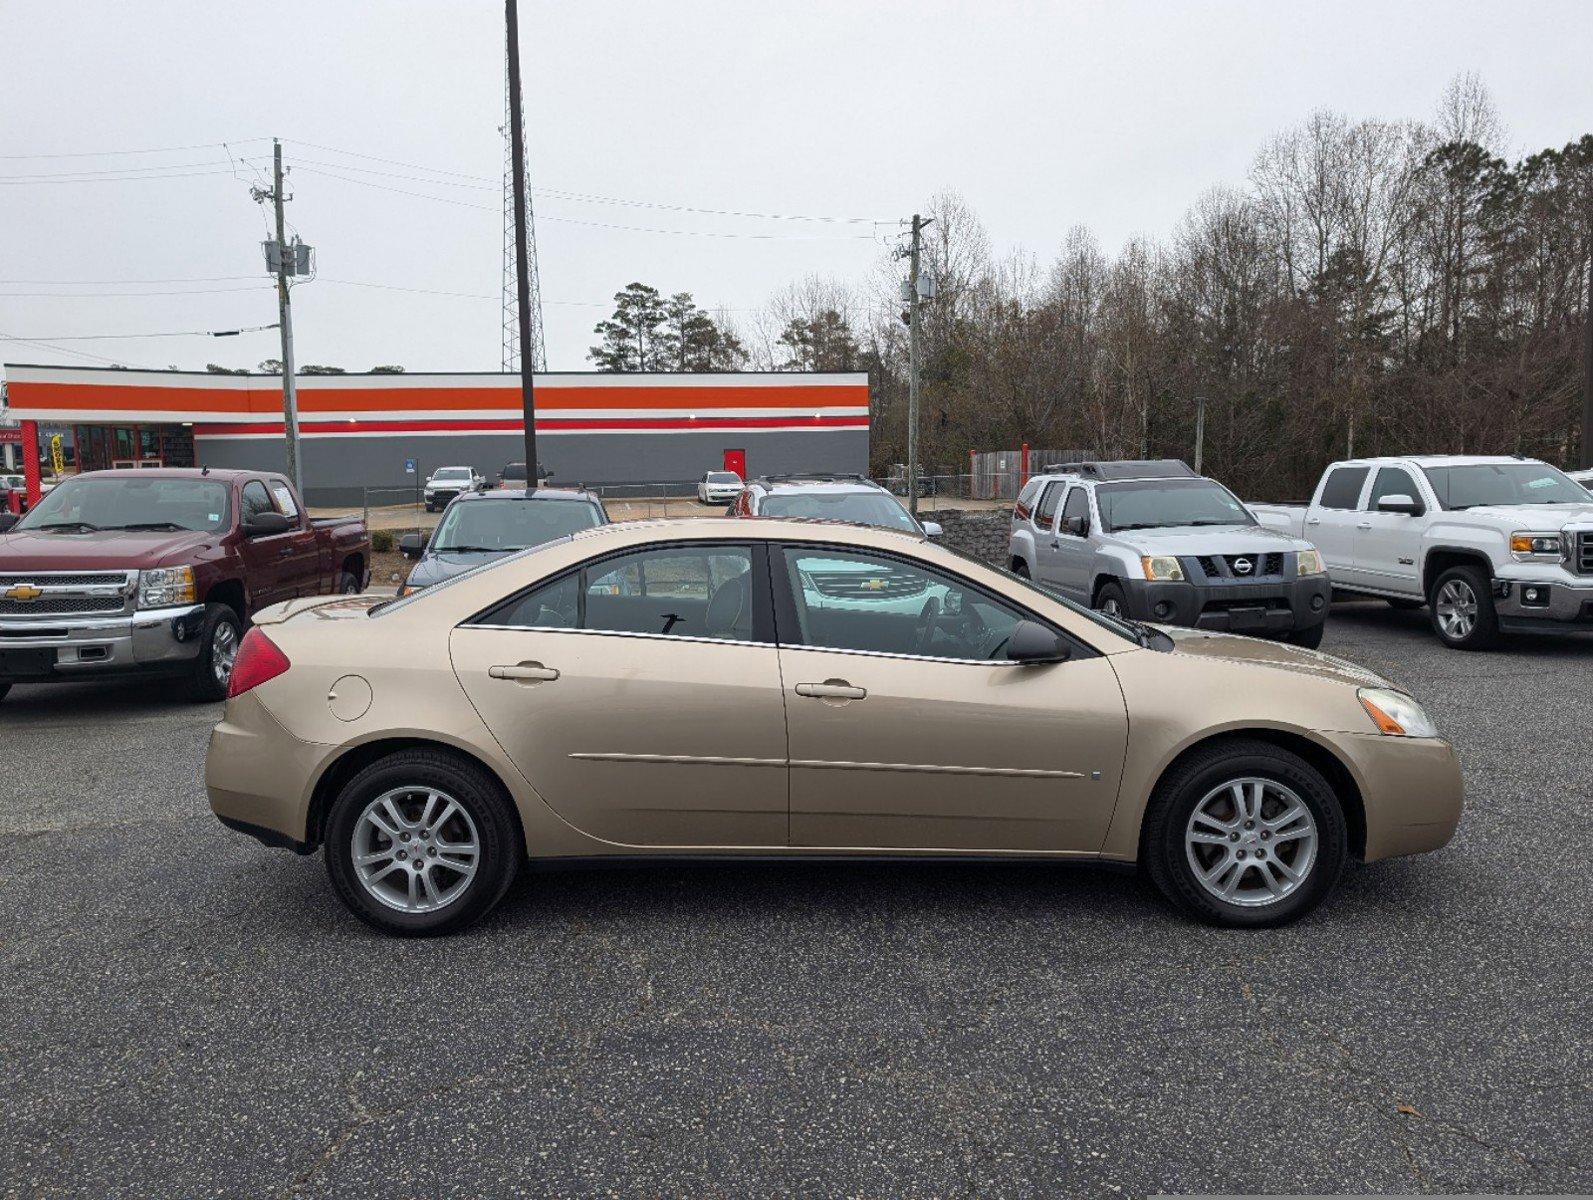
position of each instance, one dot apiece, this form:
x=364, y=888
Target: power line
x=104, y=282
x=104, y=295
x=112, y=337
x=151, y=150
x=113, y=178
x=66, y=350
x=123, y=172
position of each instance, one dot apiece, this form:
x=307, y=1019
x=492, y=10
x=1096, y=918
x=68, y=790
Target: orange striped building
x=362, y=432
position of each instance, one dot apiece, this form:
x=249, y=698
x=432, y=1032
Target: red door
x=736, y=460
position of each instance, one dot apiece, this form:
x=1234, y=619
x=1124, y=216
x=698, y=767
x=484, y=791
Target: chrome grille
x=1582, y=558
x=1226, y=566
x=53, y=579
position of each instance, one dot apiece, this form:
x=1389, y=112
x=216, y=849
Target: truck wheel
x=421, y=843
x=1462, y=610
x=1244, y=834
x=219, y=636
x=1111, y=601
x=1309, y=638
x=348, y=583
x=1020, y=568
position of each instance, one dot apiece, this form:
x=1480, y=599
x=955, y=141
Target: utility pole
x=1200, y=432
x=1587, y=358
x=285, y=267
x=522, y=267
x=913, y=253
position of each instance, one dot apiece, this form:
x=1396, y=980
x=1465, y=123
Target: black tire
x=476, y=792
x=4, y=688
x=1399, y=605
x=1108, y=596
x=1162, y=846
x=1020, y=568
x=348, y=583
x=208, y=681
x=1310, y=638
x=1470, y=584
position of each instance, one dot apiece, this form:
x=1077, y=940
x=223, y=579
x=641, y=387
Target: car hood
x=1270, y=654
x=1527, y=516
x=434, y=568
x=1207, y=539
x=102, y=550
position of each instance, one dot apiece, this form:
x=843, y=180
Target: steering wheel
x=927, y=617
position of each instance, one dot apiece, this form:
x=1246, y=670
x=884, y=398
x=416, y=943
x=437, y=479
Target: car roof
x=542, y=493
x=218, y=474
x=764, y=529
x=815, y=483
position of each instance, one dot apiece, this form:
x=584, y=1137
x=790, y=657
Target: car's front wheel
x=219, y=637
x=1463, y=615
x=1246, y=834
x=1111, y=600
x=421, y=842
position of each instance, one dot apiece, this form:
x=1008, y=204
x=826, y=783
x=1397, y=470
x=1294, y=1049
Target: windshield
x=89, y=503
x=860, y=508
x=453, y=473
x=723, y=477
x=514, y=471
x=1503, y=483
x=1166, y=503
x=504, y=525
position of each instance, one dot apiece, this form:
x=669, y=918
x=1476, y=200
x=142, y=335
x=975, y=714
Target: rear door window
x=1045, y=514
x=284, y=498
x=1343, y=487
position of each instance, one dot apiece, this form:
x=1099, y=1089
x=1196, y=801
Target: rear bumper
x=149, y=642
x=1266, y=606
x=257, y=775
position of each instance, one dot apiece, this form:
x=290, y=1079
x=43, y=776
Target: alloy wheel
x=1251, y=841
x=1456, y=609
x=415, y=849
x=223, y=651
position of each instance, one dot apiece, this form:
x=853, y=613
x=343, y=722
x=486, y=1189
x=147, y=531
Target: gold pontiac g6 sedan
x=802, y=688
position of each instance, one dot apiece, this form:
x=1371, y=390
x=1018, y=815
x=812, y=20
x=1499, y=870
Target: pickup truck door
x=1073, y=553
x=1042, y=527
x=1331, y=520
x=264, y=558
x=303, y=572
x=1388, y=545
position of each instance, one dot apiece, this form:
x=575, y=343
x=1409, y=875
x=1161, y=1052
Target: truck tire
x=348, y=583
x=1462, y=610
x=1111, y=600
x=422, y=875
x=1020, y=568
x=1273, y=866
x=219, y=636
x=4, y=688
x=1309, y=638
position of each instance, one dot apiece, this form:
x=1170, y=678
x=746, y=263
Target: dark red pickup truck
x=156, y=572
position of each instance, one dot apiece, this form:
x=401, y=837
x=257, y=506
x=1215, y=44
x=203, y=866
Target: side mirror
x=7, y=520
x=1034, y=644
x=1077, y=526
x=932, y=529
x=1401, y=503
x=412, y=545
x=265, y=524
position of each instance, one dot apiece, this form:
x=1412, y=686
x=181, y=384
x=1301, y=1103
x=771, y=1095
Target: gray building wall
x=337, y=470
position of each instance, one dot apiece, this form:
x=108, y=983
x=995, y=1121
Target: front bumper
x=1411, y=791
x=149, y=641
x=1557, y=608
x=1263, y=606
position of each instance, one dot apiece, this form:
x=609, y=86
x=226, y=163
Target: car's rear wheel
x=1245, y=834
x=1462, y=610
x=421, y=842
x=219, y=636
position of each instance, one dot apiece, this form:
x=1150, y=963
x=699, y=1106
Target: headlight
x=1161, y=567
x=1396, y=714
x=1309, y=562
x=165, y=586
x=1528, y=546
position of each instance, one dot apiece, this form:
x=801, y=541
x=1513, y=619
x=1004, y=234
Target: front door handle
x=285, y=552
x=1364, y=525
x=1314, y=521
x=831, y=689
x=526, y=672
x=1055, y=545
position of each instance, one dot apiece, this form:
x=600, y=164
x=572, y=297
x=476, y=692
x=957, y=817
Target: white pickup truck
x=1491, y=545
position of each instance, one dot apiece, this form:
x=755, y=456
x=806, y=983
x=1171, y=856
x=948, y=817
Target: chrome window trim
x=629, y=633
x=966, y=662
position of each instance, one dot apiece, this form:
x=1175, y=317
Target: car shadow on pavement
x=102, y=697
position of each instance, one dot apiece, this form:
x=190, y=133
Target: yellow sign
x=24, y=592
x=56, y=459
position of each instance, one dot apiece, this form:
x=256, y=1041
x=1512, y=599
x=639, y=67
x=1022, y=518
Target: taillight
x=258, y=660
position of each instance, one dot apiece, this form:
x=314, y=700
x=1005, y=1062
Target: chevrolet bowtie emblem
x=24, y=591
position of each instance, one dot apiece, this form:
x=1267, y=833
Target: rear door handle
x=1055, y=545
x=529, y=672
x=831, y=689
x=1314, y=521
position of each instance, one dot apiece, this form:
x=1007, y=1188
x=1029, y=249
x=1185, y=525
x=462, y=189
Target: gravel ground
x=186, y=1013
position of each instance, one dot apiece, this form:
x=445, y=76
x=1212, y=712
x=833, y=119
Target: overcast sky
x=1044, y=116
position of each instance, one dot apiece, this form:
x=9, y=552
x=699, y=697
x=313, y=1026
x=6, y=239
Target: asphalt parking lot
x=186, y=1013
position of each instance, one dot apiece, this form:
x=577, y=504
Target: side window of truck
x=1076, y=513
x=255, y=500
x=1391, y=481
x=1045, y=513
x=1343, y=487
x=285, y=503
